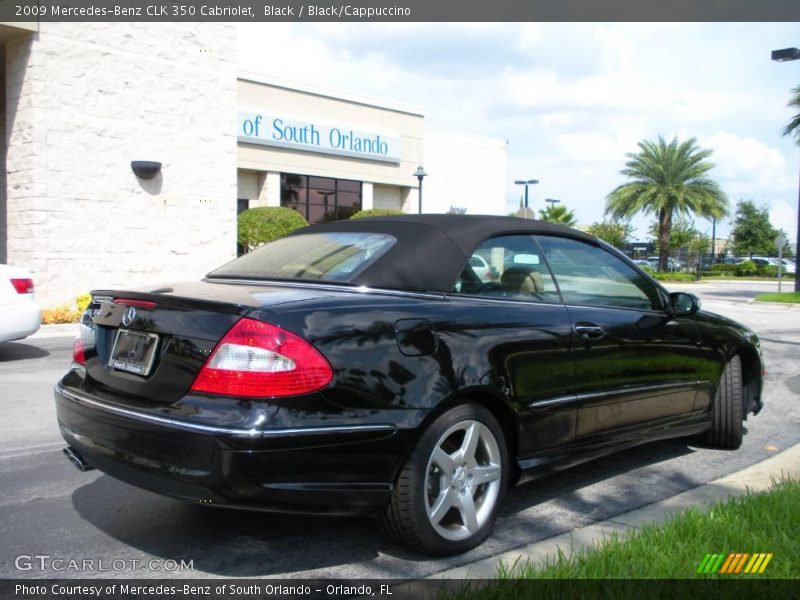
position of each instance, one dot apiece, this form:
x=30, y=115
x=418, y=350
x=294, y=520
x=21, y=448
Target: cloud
x=746, y=165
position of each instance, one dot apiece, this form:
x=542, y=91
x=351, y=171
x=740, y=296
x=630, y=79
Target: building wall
x=326, y=107
x=384, y=196
x=83, y=102
x=464, y=171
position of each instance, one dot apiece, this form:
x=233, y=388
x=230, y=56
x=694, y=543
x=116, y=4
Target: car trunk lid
x=147, y=347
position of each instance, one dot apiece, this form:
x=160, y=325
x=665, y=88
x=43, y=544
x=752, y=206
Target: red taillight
x=78, y=351
x=256, y=359
x=23, y=286
x=136, y=303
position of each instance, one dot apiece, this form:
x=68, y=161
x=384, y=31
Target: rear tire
x=448, y=493
x=727, y=410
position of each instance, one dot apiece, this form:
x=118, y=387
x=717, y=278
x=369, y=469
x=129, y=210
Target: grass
x=767, y=522
x=643, y=564
x=791, y=297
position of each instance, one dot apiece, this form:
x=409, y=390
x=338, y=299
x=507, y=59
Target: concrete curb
x=755, y=478
x=777, y=305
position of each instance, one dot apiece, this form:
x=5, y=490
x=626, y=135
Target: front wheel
x=727, y=410
x=449, y=490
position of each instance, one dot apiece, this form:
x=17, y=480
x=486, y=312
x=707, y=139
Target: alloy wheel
x=462, y=480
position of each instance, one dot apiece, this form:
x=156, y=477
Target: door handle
x=590, y=331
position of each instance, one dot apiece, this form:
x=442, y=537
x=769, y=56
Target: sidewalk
x=756, y=478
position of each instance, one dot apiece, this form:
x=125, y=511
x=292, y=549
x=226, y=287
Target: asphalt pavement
x=49, y=508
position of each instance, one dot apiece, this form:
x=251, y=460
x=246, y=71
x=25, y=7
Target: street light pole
x=526, y=183
x=552, y=201
x=714, y=240
x=785, y=55
x=420, y=174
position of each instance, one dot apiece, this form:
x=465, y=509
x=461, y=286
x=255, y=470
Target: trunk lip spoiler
x=212, y=429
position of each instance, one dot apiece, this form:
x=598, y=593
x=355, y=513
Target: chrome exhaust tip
x=76, y=459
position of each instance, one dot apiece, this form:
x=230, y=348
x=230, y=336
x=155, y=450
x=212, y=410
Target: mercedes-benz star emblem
x=129, y=316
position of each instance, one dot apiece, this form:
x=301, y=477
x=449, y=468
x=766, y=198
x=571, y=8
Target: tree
x=793, y=126
x=752, y=232
x=613, y=231
x=701, y=244
x=558, y=214
x=681, y=235
x=667, y=180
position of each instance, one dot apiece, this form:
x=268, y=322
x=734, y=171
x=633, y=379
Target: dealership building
x=82, y=102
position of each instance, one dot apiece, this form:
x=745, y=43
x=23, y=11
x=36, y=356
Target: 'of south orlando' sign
x=311, y=136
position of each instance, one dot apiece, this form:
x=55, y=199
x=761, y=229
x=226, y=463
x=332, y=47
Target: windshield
x=315, y=256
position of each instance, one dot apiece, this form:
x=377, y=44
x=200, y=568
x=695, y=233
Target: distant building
x=639, y=250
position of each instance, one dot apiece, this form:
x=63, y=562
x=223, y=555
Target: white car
x=20, y=316
x=788, y=266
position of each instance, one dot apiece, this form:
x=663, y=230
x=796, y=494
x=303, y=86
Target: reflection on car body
x=366, y=366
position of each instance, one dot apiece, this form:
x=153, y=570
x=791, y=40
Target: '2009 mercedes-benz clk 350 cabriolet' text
x=366, y=366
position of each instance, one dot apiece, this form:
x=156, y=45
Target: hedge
x=264, y=224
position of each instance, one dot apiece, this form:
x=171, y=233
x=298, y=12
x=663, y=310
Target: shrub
x=648, y=269
x=746, y=269
x=66, y=313
x=377, y=212
x=768, y=271
x=264, y=224
x=722, y=268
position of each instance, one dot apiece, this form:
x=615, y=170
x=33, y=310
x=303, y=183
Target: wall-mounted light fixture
x=145, y=169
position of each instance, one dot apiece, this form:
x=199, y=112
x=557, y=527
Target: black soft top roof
x=431, y=250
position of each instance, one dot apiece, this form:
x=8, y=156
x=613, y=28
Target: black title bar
x=399, y=11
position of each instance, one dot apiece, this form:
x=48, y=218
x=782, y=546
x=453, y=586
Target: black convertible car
x=366, y=366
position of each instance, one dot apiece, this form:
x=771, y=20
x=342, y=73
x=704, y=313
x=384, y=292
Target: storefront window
x=320, y=199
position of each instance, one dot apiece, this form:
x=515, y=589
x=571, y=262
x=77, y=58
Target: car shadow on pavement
x=252, y=544
x=11, y=351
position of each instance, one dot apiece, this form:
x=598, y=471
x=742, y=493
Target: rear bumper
x=320, y=469
x=19, y=320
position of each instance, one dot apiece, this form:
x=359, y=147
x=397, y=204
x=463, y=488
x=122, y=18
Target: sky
x=571, y=99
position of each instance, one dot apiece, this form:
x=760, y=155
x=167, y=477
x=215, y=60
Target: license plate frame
x=126, y=356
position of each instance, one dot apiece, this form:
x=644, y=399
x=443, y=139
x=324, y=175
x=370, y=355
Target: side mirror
x=682, y=304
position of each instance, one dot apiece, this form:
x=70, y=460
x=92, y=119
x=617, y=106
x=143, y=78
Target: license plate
x=133, y=352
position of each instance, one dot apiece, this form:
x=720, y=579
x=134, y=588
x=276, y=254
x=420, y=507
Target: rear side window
x=315, y=256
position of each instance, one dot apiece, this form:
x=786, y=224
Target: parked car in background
x=787, y=265
x=20, y=315
x=364, y=366
x=482, y=268
x=672, y=264
x=760, y=261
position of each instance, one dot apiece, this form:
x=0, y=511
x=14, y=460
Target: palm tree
x=667, y=180
x=793, y=127
x=558, y=214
